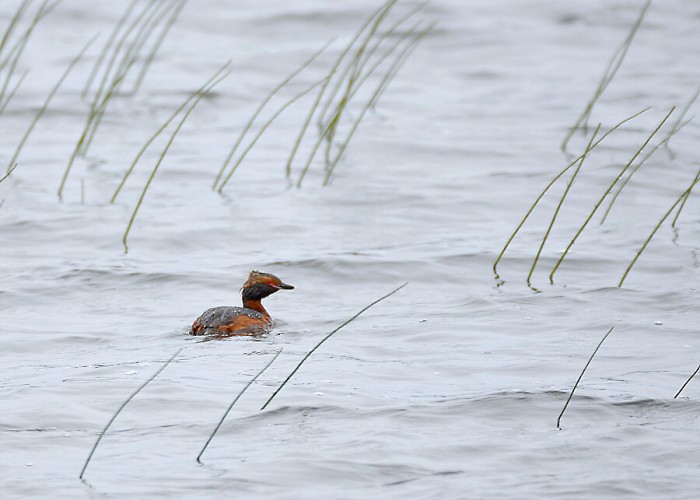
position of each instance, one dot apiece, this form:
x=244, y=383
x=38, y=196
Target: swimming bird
x=250, y=319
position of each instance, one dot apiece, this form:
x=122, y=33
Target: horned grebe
x=250, y=319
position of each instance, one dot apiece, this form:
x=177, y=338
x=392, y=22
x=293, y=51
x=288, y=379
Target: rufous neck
x=255, y=305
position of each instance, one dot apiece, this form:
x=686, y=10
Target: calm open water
x=450, y=388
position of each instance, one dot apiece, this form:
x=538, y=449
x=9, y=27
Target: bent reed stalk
x=119, y=410
x=16, y=51
x=326, y=338
x=199, y=97
x=684, y=195
x=47, y=101
x=264, y=128
x=604, y=195
x=322, y=91
x=561, y=202
x=259, y=109
x=393, y=69
x=571, y=395
x=610, y=71
x=238, y=396
x=163, y=127
x=674, y=130
x=550, y=184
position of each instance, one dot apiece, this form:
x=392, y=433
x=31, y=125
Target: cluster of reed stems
x=135, y=39
x=353, y=85
x=378, y=46
x=621, y=178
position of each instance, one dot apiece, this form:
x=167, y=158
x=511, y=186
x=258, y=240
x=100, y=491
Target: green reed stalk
x=561, y=202
x=235, y=400
x=388, y=34
x=605, y=194
x=108, y=86
x=398, y=66
x=146, y=24
x=571, y=395
x=16, y=18
x=259, y=109
x=680, y=208
x=146, y=29
x=326, y=338
x=43, y=108
x=163, y=127
x=551, y=183
x=21, y=42
x=610, y=72
x=683, y=196
x=79, y=144
x=101, y=435
x=322, y=91
x=393, y=69
x=639, y=165
x=9, y=172
x=14, y=91
x=16, y=52
x=327, y=131
x=156, y=46
x=377, y=16
x=687, y=382
x=677, y=125
x=362, y=78
x=352, y=69
x=264, y=128
x=108, y=45
x=101, y=89
x=160, y=160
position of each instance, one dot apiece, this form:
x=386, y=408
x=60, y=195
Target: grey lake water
x=450, y=388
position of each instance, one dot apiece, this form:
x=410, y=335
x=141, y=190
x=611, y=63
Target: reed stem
x=101, y=435
x=326, y=338
x=608, y=75
x=259, y=109
x=235, y=400
x=107, y=46
x=687, y=382
x=561, y=202
x=551, y=183
x=163, y=127
x=605, y=194
x=571, y=395
x=683, y=196
x=264, y=128
x=160, y=160
x=43, y=108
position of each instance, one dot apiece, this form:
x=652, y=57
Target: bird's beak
x=285, y=286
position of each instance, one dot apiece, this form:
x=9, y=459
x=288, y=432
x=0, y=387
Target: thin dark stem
x=238, y=396
x=326, y=338
x=687, y=382
x=9, y=172
x=99, y=438
x=581, y=376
